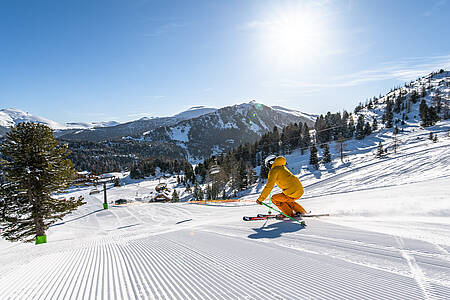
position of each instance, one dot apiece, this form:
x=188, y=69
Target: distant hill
x=12, y=116
x=133, y=128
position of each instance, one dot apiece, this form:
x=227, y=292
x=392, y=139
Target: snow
x=388, y=237
x=194, y=112
x=255, y=128
x=85, y=125
x=180, y=133
x=11, y=117
x=297, y=113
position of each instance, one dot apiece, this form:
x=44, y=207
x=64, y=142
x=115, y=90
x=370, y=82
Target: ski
x=300, y=216
x=271, y=216
x=267, y=217
x=254, y=218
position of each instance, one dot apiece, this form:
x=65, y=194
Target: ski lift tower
x=105, y=202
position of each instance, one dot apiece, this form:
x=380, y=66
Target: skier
x=290, y=185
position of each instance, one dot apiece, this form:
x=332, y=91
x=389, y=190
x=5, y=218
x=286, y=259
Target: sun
x=293, y=35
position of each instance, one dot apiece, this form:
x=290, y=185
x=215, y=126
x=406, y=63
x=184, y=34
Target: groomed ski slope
x=193, y=251
x=388, y=237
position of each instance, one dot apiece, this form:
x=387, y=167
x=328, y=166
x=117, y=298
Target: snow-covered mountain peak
x=12, y=116
x=194, y=112
x=311, y=117
x=87, y=125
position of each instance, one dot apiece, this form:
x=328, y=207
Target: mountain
x=225, y=128
x=132, y=129
x=11, y=117
x=84, y=125
x=197, y=132
x=406, y=101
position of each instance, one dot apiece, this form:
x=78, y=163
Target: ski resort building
x=162, y=193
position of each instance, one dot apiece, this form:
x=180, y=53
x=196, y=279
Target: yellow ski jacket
x=284, y=179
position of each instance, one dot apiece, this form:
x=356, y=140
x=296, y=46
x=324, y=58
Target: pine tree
x=367, y=129
x=276, y=140
x=198, y=192
x=242, y=175
x=432, y=116
x=398, y=104
x=313, y=159
x=388, y=115
x=374, y=124
x=326, y=154
x=350, y=128
x=414, y=97
x=36, y=167
x=423, y=92
x=380, y=150
x=306, y=138
x=175, y=197
x=428, y=115
x=360, y=128
x=188, y=188
x=423, y=112
x=264, y=171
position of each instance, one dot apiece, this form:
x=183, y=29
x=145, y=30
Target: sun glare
x=294, y=35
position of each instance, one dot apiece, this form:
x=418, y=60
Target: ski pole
x=282, y=213
x=270, y=203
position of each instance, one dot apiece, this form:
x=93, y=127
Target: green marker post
x=41, y=239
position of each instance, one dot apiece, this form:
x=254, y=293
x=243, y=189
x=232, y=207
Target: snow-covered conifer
x=175, y=197
x=380, y=150
x=326, y=154
x=313, y=159
x=36, y=167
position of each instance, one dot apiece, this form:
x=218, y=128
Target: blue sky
x=123, y=60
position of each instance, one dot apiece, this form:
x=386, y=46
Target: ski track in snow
x=223, y=258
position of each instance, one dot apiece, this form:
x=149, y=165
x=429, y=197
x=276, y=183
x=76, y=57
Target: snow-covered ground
x=192, y=251
x=388, y=237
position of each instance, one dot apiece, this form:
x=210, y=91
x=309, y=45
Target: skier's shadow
x=275, y=230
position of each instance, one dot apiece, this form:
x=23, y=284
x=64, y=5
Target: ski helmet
x=269, y=160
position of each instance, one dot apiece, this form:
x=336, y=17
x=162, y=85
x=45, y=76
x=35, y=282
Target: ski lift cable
x=298, y=137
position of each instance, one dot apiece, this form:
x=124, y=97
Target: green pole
x=270, y=203
x=41, y=239
x=301, y=222
x=105, y=202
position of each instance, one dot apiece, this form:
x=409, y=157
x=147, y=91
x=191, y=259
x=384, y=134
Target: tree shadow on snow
x=77, y=218
x=275, y=230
